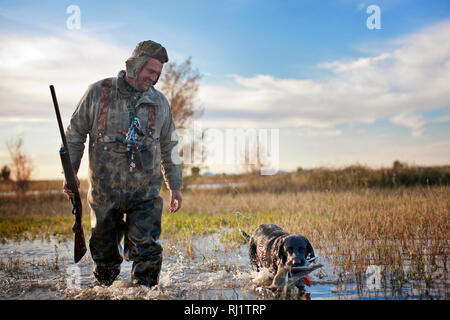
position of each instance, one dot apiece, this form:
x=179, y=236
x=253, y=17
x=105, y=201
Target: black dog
x=273, y=248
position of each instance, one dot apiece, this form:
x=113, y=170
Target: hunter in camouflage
x=131, y=138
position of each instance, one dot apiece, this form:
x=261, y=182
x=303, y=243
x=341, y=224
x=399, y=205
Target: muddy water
x=211, y=270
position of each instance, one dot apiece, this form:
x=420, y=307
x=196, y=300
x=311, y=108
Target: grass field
x=403, y=229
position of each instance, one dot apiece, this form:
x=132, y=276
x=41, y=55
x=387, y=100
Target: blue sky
x=338, y=92
x=281, y=38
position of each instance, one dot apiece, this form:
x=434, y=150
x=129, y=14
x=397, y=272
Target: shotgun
x=77, y=210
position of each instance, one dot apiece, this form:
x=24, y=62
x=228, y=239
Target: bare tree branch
x=21, y=165
x=179, y=83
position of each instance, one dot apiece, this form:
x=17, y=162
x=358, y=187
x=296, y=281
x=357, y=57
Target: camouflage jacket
x=101, y=112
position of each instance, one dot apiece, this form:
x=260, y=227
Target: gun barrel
x=58, y=116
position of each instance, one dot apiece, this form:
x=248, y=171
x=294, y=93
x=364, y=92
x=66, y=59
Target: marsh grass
x=353, y=177
x=6, y=186
x=21, y=269
x=29, y=217
x=403, y=230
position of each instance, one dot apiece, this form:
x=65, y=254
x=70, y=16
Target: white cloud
x=400, y=85
x=70, y=61
x=413, y=121
x=442, y=119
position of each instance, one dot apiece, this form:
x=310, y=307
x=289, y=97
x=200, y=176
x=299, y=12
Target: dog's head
x=295, y=251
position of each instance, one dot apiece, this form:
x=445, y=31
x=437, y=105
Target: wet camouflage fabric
x=141, y=230
x=114, y=190
x=143, y=51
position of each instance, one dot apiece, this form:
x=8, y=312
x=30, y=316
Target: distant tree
x=179, y=83
x=22, y=166
x=397, y=165
x=5, y=172
x=195, y=171
x=253, y=156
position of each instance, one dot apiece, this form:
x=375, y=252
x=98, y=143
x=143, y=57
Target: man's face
x=148, y=74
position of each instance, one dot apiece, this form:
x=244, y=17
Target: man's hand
x=67, y=191
x=175, y=202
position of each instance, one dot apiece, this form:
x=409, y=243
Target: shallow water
x=212, y=270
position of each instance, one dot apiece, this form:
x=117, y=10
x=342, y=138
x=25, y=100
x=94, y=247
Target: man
x=131, y=138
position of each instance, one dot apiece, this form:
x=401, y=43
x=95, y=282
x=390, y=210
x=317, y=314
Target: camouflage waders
x=118, y=189
x=141, y=230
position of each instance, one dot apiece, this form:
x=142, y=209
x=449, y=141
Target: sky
x=324, y=83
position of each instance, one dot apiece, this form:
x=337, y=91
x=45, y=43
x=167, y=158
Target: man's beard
x=145, y=85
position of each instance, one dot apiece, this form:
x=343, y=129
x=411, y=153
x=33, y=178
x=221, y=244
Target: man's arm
x=76, y=133
x=79, y=127
x=170, y=160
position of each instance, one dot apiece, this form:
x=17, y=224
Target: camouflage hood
x=144, y=51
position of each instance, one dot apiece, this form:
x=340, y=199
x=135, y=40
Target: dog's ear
x=282, y=254
x=309, y=250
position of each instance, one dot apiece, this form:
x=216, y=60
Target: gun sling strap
x=105, y=102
